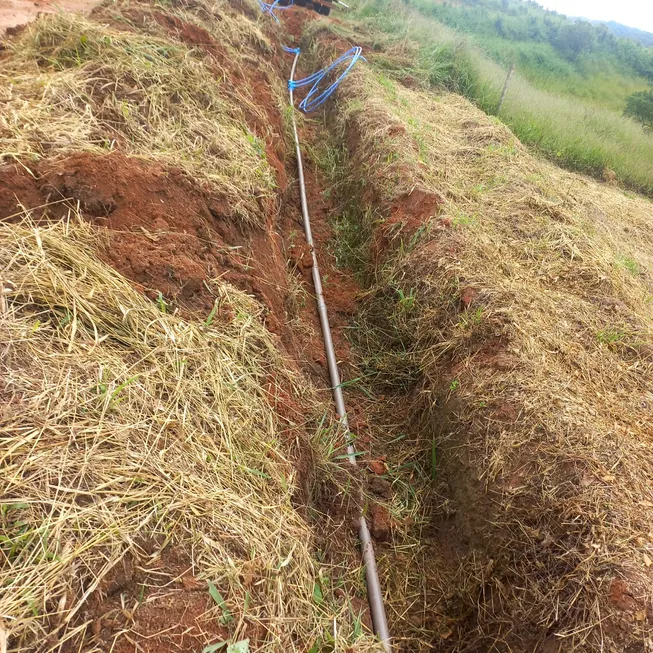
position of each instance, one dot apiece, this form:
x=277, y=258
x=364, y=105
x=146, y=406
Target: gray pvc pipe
x=374, y=594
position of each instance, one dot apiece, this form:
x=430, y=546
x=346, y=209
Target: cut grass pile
x=526, y=309
x=72, y=84
x=121, y=425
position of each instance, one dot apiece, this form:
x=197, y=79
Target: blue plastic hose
x=314, y=98
x=271, y=7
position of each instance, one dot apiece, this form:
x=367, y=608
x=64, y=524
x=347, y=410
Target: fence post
x=505, y=88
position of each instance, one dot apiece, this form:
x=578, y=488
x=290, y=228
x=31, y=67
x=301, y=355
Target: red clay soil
x=407, y=215
x=153, y=604
x=166, y=233
x=171, y=236
x=19, y=12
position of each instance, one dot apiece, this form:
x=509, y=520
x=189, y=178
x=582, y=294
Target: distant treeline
x=519, y=21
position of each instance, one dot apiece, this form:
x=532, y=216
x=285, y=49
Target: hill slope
x=625, y=32
x=569, y=110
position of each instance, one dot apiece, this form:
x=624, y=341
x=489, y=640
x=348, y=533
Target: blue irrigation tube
x=271, y=7
x=374, y=593
x=316, y=97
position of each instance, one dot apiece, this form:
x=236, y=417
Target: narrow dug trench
x=394, y=443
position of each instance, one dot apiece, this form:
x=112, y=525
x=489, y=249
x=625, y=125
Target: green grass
x=572, y=114
x=601, y=83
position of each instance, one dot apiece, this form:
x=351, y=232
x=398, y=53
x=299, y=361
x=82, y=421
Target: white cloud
x=634, y=13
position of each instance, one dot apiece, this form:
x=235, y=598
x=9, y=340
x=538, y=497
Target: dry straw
x=75, y=84
x=121, y=423
x=531, y=326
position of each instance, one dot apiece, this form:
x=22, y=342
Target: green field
x=567, y=104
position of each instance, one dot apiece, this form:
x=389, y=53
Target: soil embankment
x=14, y=13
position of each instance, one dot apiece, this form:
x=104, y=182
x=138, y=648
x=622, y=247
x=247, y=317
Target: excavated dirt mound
x=165, y=232
x=517, y=323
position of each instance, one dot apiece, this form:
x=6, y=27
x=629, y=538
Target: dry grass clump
x=73, y=84
x=122, y=424
x=531, y=321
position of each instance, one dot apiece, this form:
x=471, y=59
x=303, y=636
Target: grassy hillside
x=568, y=107
x=645, y=38
x=551, y=50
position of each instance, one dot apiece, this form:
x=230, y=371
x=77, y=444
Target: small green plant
x=421, y=144
x=15, y=534
x=102, y=389
x=471, y=318
x=256, y=143
x=461, y=219
x=318, y=595
x=454, y=385
x=610, y=336
x=211, y=315
x=389, y=86
x=629, y=264
x=221, y=603
x=406, y=302
x=161, y=303
x=67, y=317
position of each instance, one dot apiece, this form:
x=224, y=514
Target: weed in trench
x=470, y=319
x=211, y=315
x=351, y=238
x=297, y=296
x=226, y=617
x=406, y=302
x=161, y=303
x=256, y=143
x=461, y=219
x=327, y=157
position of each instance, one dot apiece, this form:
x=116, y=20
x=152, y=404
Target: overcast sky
x=635, y=13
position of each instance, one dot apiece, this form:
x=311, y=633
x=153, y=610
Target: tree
x=499, y=27
x=575, y=38
x=640, y=107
